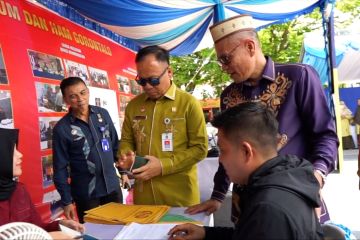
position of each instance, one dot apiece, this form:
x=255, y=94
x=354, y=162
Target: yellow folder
x=116, y=213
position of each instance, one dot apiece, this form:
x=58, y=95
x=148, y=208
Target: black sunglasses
x=153, y=81
x=225, y=59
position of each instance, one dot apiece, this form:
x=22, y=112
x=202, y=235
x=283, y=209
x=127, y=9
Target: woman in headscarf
x=15, y=201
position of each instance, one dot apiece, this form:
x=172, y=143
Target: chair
x=333, y=232
x=22, y=230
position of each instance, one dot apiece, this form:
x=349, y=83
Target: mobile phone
x=139, y=162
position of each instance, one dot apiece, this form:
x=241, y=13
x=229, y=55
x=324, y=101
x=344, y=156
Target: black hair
x=70, y=81
x=250, y=121
x=8, y=139
x=161, y=54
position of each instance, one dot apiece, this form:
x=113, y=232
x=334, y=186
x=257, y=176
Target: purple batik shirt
x=295, y=94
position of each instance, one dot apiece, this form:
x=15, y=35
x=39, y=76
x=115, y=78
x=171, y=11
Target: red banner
x=38, y=48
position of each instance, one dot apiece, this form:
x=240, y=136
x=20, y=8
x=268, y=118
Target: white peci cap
x=231, y=25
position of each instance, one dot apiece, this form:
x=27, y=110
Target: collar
x=92, y=109
x=170, y=93
x=269, y=70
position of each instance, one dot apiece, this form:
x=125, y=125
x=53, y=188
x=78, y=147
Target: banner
x=38, y=48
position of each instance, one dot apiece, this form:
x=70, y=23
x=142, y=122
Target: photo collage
x=6, y=113
x=129, y=88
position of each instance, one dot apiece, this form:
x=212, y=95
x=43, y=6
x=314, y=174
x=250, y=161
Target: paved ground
x=342, y=195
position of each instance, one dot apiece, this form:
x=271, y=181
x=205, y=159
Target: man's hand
x=187, y=231
x=209, y=206
x=69, y=211
x=319, y=178
x=151, y=169
x=73, y=225
x=321, y=183
x=125, y=182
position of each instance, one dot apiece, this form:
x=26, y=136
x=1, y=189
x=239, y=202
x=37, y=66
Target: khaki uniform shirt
x=146, y=120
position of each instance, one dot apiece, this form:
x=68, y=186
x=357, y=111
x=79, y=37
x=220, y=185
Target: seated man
x=279, y=193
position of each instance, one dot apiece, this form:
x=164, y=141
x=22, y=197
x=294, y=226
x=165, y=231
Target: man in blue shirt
x=86, y=142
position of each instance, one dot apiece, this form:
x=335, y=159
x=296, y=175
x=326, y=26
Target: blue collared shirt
x=77, y=146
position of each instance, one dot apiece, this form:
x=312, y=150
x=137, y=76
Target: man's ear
x=250, y=46
x=248, y=150
x=170, y=73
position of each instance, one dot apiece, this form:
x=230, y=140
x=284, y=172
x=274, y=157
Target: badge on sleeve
x=105, y=145
x=167, y=142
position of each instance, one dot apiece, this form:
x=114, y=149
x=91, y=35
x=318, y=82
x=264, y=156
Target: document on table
x=177, y=214
x=72, y=233
x=102, y=231
x=137, y=231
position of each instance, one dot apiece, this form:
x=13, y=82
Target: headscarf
x=8, y=139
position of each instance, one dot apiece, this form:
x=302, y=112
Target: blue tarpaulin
x=315, y=55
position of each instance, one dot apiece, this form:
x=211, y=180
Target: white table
x=107, y=231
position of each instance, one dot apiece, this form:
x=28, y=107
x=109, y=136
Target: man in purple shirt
x=292, y=91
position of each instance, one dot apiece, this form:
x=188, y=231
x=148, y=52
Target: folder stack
x=116, y=213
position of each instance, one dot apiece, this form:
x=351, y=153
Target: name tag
x=167, y=142
x=105, y=145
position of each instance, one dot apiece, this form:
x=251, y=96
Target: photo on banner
x=47, y=170
x=74, y=69
x=47, y=125
x=124, y=100
x=6, y=114
x=98, y=78
x=46, y=65
x=135, y=88
x=123, y=84
x=49, y=98
x=3, y=74
x=121, y=121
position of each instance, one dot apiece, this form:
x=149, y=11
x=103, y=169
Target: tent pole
x=334, y=83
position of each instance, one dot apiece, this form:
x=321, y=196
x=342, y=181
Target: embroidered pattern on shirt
x=273, y=96
x=139, y=132
x=80, y=134
x=86, y=150
x=275, y=93
x=233, y=98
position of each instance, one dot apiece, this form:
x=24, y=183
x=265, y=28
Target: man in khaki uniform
x=166, y=126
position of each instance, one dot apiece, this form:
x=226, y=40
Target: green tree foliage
x=351, y=7
x=283, y=42
x=199, y=68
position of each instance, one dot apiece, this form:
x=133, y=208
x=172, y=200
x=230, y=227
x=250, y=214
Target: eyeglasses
x=153, y=81
x=225, y=59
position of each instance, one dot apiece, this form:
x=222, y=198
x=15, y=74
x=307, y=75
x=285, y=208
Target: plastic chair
x=333, y=232
x=22, y=230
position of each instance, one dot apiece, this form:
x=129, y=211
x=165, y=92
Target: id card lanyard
x=167, y=137
x=105, y=145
